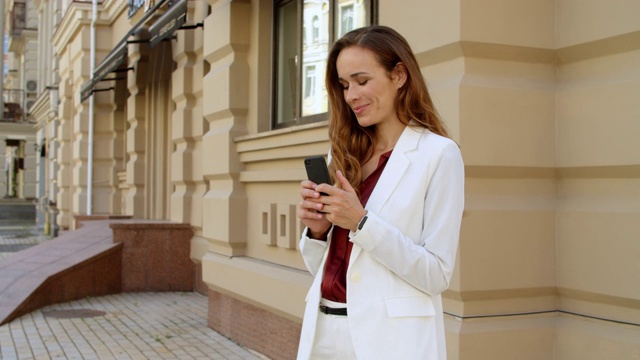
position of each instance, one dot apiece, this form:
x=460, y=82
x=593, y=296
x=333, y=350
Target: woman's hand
x=342, y=206
x=308, y=211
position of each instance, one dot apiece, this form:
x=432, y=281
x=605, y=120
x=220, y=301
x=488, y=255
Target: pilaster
x=225, y=88
x=79, y=162
x=64, y=153
x=108, y=156
x=188, y=125
x=136, y=134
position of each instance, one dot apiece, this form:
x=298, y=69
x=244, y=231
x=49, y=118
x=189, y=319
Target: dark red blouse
x=334, y=282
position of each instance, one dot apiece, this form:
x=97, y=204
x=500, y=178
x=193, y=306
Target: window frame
x=298, y=118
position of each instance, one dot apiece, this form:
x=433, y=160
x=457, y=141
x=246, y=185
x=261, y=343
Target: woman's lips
x=358, y=110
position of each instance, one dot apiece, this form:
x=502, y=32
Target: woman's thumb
x=344, y=183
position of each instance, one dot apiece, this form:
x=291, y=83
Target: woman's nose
x=351, y=94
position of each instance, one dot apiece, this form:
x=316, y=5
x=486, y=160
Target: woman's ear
x=399, y=75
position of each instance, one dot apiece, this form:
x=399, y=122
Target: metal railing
x=13, y=105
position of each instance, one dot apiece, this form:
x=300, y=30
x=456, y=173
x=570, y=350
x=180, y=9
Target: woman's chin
x=364, y=122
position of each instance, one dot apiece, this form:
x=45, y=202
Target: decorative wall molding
x=279, y=225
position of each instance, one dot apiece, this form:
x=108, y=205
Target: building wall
x=44, y=111
x=24, y=178
x=598, y=161
x=494, y=84
x=499, y=75
x=43, y=77
x=188, y=129
x=540, y=95
x=21, y=69
x=68, y=42
x=72, y=45
x=30, y=59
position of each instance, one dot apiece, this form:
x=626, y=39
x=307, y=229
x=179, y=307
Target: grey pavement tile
x=135, y=326
x=171, y=325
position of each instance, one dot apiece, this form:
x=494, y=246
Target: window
x=316, y=29
x=345, y=19
x=310, y=82
x=304, y=32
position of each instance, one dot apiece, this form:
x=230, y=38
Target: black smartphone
x=317, y=170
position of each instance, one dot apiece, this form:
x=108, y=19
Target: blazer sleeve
x=313, y=250
x=426, y=263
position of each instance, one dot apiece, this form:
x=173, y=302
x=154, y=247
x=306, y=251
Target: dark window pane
x=287, y=62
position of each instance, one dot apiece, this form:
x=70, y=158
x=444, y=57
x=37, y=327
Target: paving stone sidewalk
x=16, y=235
x=166, y=325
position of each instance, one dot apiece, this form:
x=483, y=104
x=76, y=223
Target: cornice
x=474, y=49
x=21, y=130
x=569, y=54
x=114, y=8
x=15, y=44
x=41, y=108
x=78, y=15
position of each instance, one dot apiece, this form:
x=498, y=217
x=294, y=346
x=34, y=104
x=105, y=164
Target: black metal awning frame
x=162, y=29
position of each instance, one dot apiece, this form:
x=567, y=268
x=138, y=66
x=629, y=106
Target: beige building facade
x=201, y=127
x=18, y=142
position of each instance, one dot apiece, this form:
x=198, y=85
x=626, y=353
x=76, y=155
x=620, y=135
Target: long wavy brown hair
x=351, y=144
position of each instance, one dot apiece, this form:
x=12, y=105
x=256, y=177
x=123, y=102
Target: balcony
x=15, y=103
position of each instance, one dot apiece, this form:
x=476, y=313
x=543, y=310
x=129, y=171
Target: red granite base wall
x=100, y=258
x=81, y=219
x=155, y=256
x=97, y=276
x=253, y=327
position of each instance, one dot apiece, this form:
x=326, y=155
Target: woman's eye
x=360, y=83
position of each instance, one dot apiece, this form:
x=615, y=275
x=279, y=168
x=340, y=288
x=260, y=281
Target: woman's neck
x=387, y=135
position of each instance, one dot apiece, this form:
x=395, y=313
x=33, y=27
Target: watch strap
x=362, y=221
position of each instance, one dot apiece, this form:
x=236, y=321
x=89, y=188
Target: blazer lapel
x=395, y=168
x=390, y=177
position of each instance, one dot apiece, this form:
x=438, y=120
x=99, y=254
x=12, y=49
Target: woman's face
x=369, y=89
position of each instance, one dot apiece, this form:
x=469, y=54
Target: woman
x=382, y=242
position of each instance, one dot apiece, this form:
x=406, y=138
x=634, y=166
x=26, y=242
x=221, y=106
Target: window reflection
x=350, y=15
x=316, y=17
x=304, y=37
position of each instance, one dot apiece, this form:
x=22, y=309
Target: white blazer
x=403, y=257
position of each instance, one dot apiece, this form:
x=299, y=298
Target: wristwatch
x=362, y=221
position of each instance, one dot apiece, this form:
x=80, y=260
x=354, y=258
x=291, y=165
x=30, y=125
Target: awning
x=172, y=20
x=110, y=63
x=169, y=22
x=113, y=60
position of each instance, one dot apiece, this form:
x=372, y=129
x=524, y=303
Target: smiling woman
x=382, y=242
x=370, y=91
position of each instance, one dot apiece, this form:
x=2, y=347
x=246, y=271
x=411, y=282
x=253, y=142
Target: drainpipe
x=2, y=31
x=2, y=16
x=91, y=110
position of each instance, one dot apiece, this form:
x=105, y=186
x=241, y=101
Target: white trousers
x=333, y=337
